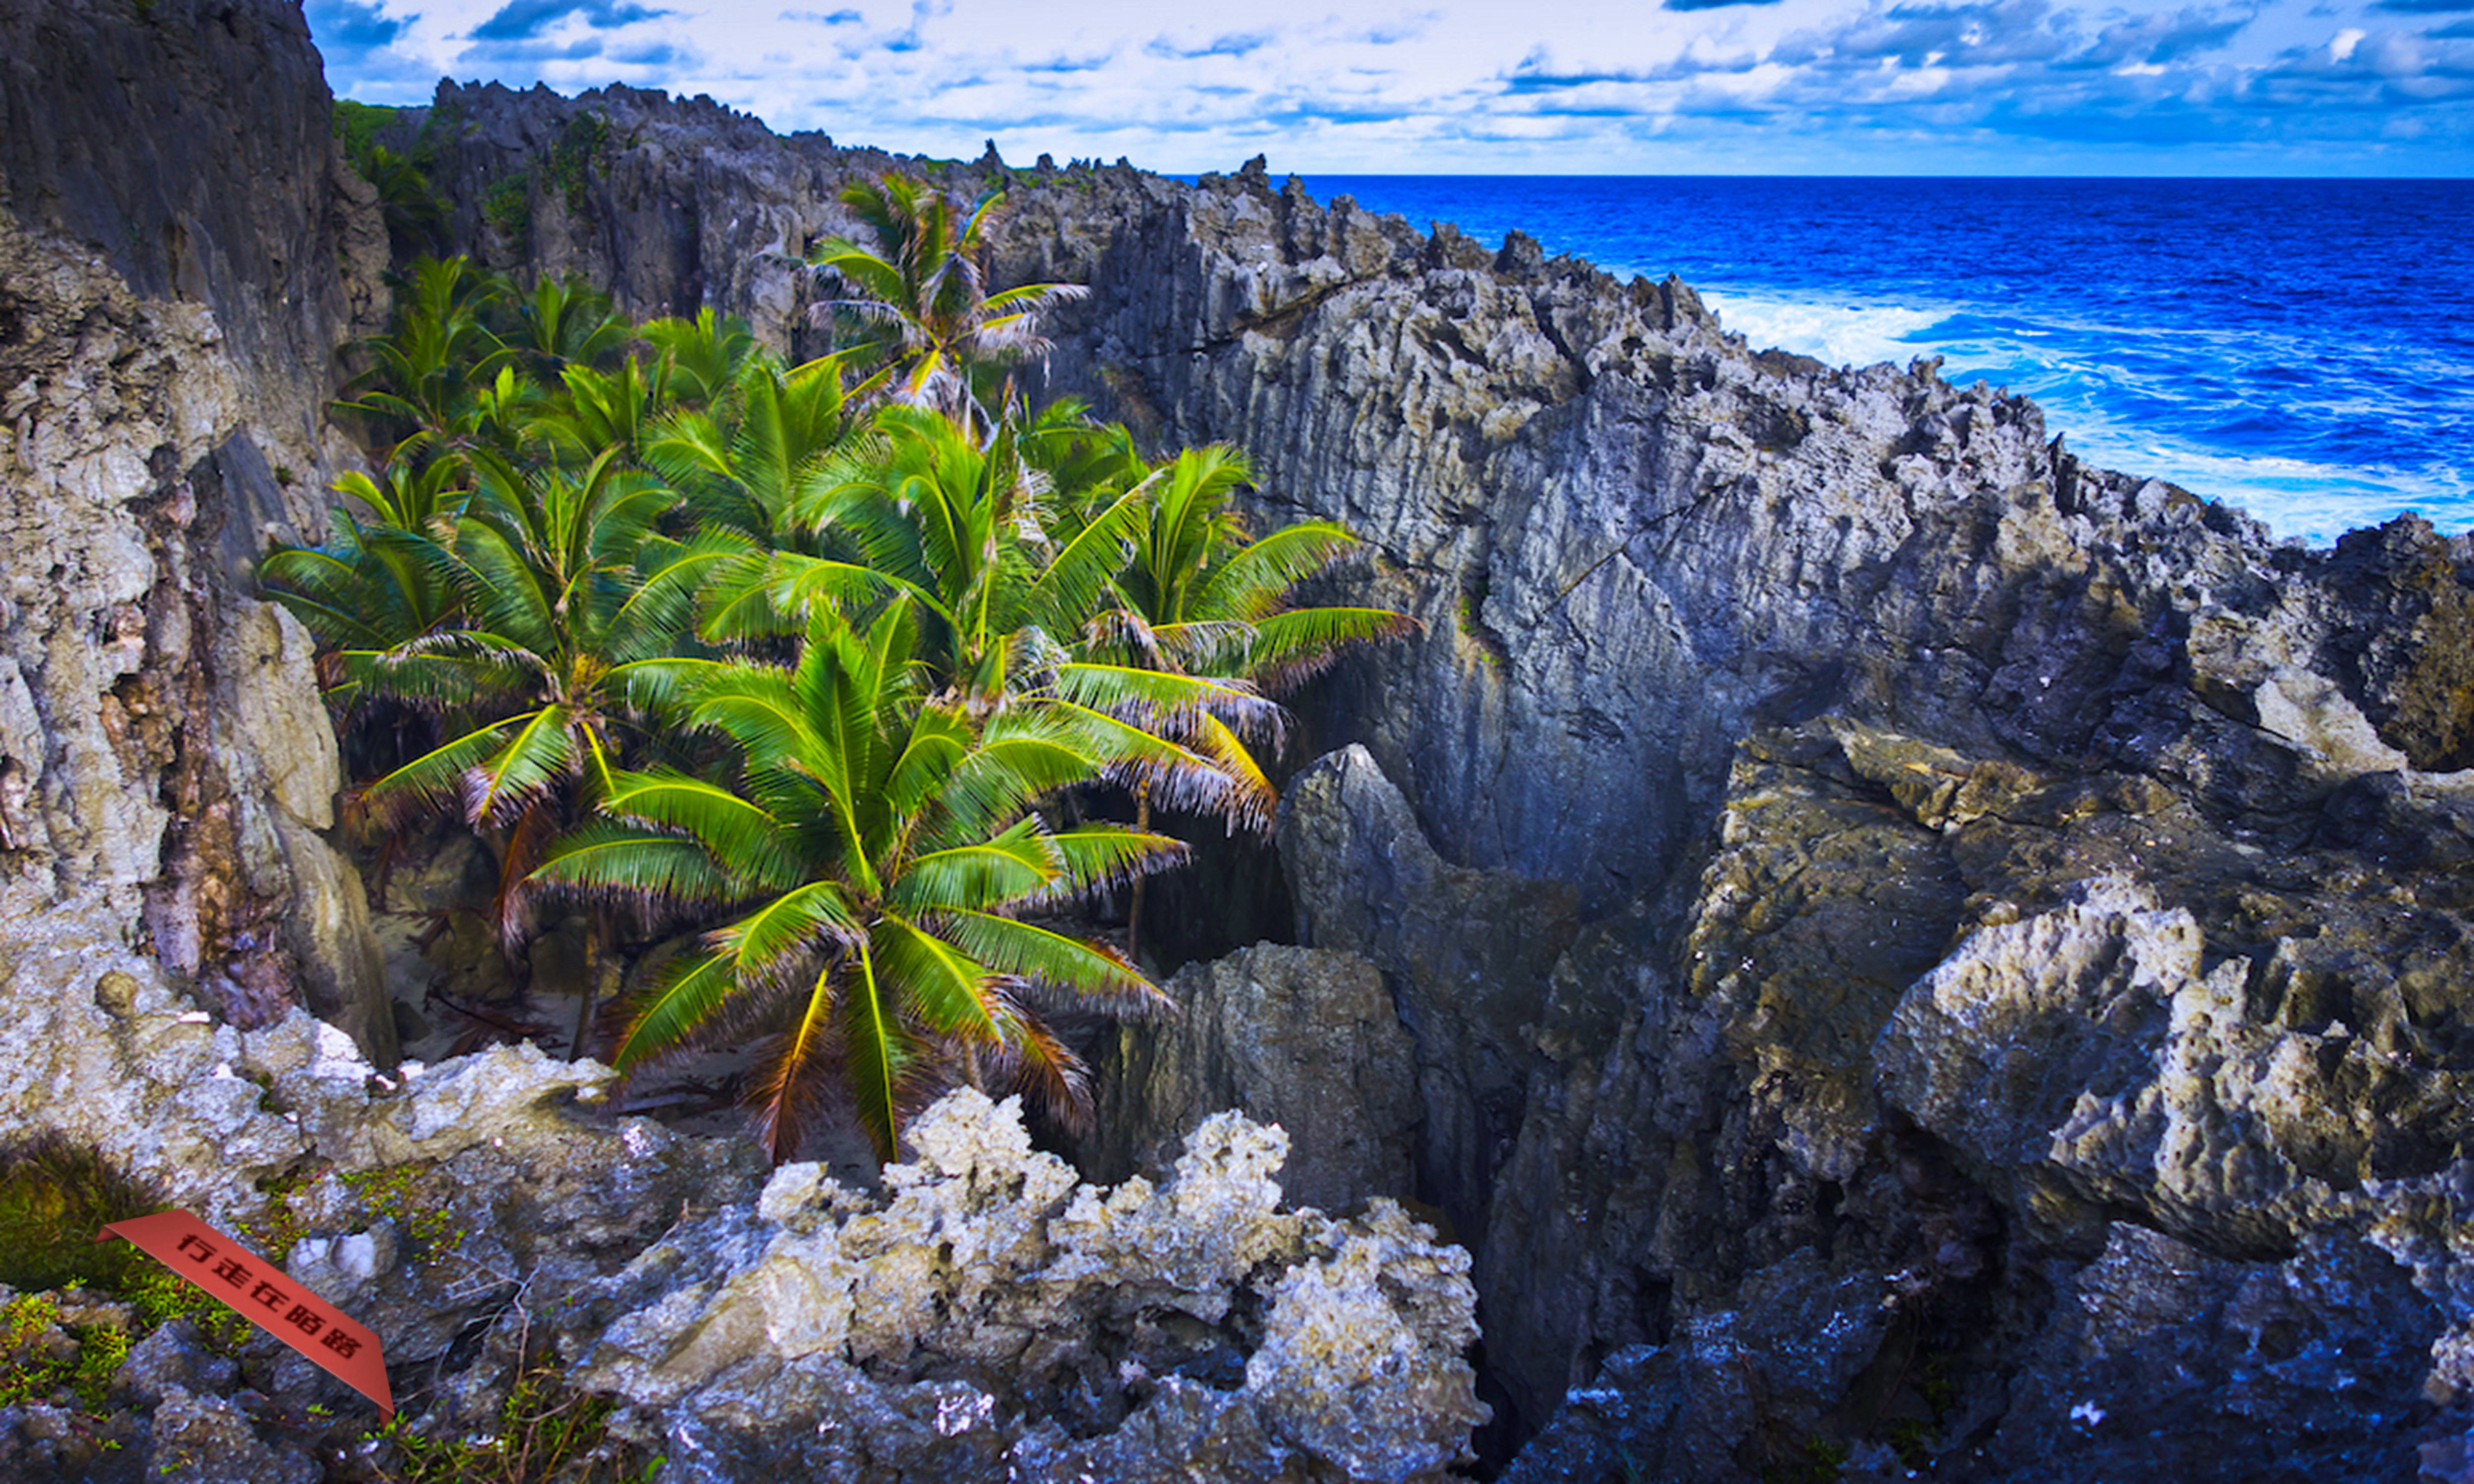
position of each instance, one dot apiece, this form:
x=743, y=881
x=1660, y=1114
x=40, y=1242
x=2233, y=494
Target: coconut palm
x=706, y=354
x=574, y=604
x=742, y=462
x=1200, y=600
x=377, y=585
x=566, y=321
x=424, y=372
x=873, y=851
x=924, y=286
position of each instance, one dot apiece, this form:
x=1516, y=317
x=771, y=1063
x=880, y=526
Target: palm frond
x=951, y=994
x=1252, y=583
x=680, y=1001
x=1293, y=646
x=649, y=871
x=1086, y=971
x=540, y=750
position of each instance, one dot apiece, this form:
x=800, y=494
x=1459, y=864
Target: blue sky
x=2344, y=88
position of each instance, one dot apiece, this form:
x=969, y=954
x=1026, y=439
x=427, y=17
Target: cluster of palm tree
x=840, y=665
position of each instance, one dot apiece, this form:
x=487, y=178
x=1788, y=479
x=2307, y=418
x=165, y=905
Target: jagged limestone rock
x=1301, y=1038
x=991, y=1299
x=1464, y=953
x=1940, y=1027
x=174, y=295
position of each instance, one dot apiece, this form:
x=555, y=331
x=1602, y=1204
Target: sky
x=2316, y=87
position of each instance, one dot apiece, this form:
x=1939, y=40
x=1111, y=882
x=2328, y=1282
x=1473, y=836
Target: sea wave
x=2121, y=396
x=1840, y=334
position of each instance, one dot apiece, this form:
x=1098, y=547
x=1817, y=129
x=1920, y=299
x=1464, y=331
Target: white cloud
x=1412, y=86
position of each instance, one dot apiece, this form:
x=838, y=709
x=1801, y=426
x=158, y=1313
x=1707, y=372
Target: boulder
x=1303, y=1038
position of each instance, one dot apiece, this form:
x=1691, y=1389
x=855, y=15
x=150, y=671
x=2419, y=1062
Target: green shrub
x=55, y=1197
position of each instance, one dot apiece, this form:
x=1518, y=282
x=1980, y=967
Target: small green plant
x=581, y=148
x=546, y=1431
x=101, y=1350
x=1809, y=1460
x=26, y=1371
x=1464, y=617
x=400, y=1193
x=1911, y=1438
x=508, y=204
x=278, y=1230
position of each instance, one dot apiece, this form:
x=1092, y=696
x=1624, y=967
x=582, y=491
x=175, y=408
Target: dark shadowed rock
x=1303, y=1038
x=1465, y=952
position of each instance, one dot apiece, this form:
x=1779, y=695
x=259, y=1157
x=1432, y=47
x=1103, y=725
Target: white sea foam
x=1840, y=334
x=2297, y=498
x=2081, y=392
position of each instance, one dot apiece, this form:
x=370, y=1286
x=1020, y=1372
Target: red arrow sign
x=260, y=1292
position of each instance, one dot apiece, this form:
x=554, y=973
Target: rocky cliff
x=1847, y=868
x=1914, y=953
x=176, y=278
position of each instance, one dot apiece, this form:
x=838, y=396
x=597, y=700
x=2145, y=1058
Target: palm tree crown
x=875, y=848
x=924, y=286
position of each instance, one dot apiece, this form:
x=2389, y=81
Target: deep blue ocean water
x=2303, y=348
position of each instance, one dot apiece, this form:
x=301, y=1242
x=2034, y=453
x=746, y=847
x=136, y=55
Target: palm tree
x=424, y=372
x=741, y=460
x=875, y=848
x=574, y=605
x=1200, y=600
x=375, y=586
x=924, y=286
x=706, y=354
x=566, y=322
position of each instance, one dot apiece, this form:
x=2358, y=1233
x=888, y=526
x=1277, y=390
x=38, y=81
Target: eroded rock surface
x=992, y=1319
x=172, y=296
x=1984, y=1094
x=1305, y=1039
x=1917, y=952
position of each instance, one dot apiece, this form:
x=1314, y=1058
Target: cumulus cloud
x=1236, y=44
x=1607, y=86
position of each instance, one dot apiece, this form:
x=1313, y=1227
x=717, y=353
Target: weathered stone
x=1464, y=953
x=1304, y=1038
x=208, y=1440
x=174, y=296
x=943, y=1332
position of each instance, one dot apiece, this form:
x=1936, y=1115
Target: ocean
x=2301, y=348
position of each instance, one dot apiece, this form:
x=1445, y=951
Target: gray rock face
x=1976, y=1087
x=1464, y=953
x=1302, y=1039
x=990, y=1319
x=174, y=294
x=1913, y=947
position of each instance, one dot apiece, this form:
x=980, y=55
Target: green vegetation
x=845, y=664
x=406, y=1194
x=919, y=295
x=54, y=1198
x=508, y=205
x=416, y=217
x=546, y=1432
x=583, y=148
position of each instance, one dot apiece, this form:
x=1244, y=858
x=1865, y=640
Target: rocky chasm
x=1889, y=950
